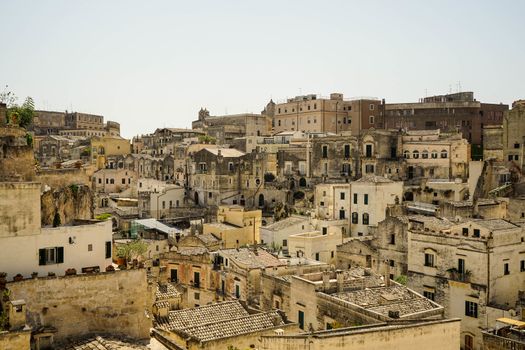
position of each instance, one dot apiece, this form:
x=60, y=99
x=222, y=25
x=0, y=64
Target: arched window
x=424, y=154
x=406, y=154
x=444, y=153
x=365, y=218
x=434, y=154
x=355, y=218
x=415, y=154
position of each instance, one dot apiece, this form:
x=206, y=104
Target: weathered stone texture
x=70, y=202
x=77, y=305
x=15, y=340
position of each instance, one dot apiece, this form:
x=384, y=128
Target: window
x=434, y=154
x=325, y=230
x=197, y=296
x=406, y=154
x=237, y=291
x=506, y=270
x=197, y=279
x=476, y=232
x=368, y=151
x=112, y=181
x=471, y=309
x=123, y=181
x=510, y=157
x=325, y=151
x=230, y=166
x=369, y=168
x=424, y=154
x=317, y=256
x=341, y=214
x=522, y=265
x=392, y=263
x=429, y=295
x=392, y=238
x=415, y=154
x=355, y=198
x=516, y=145
x=342, y=195
x=90, y=247
x=347, y=151
x=355, y=218
x=50, y=256
x=372, y=107
x=371, y=119
x=365, y=199
x=461, y=266
x=444, y=154
x=365, y=218
x=429, y=260
x=99, y=180
x=108, y=249
x=465, y=231
x=285, y=242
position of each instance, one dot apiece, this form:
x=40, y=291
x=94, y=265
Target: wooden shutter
x=41, y=257
x=60, y=255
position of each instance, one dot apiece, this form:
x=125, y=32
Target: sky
x=150, y=64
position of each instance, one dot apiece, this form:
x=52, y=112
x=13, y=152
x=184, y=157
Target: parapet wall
x=112, y=302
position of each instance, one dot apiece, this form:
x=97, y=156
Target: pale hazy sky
x=149, y=64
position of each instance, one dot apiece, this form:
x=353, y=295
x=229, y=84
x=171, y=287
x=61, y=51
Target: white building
x=28, y=248
x=276, y=235
x=371, y=195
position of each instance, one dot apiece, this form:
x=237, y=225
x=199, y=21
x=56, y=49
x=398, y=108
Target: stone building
x=430, y=154
x=163, y=140
x=72, y=124
x=102, y=148
x=17, y=160
x=451, y=112
x=220, y=326
x=370, y=196
x=474, y=269
x=227, y=176
x=276, y=234
x=226, y=128
x=332, y=299
x=236, y=226
x=312, y=113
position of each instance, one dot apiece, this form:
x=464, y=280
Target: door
x=301, y=319
x=469, y=342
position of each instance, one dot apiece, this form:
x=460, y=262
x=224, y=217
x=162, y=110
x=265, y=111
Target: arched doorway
x=302, y=182
x=196, y=197
x=292, y=184
x=261, y=200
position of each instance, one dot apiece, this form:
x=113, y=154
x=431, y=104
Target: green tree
x=207, y=139
x=132, y=250
x=22, y=115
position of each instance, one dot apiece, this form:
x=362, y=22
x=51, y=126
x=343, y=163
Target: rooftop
x=374, y=179
x=166, y=291
x=157, y=225
x=496, y=224
x=252, y=259
x=285, y=223
x=97, y=342
x=217, y=321
x=225, y=152
x=384, y=299
x=219, y=312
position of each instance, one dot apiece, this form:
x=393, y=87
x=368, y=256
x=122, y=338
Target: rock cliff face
x=70, y=202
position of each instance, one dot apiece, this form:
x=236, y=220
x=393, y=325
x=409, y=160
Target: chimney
x=340, y=280
x=219, y=153
x=17, y=314
x=326, y=281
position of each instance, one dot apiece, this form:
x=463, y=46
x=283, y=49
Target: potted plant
x=110, y=268
x=6, y=294
x=71, y=271
x=18, y=277
x=51, y=274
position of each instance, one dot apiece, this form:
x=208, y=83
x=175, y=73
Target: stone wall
x=19, y=340
x=63, y=177
x=113, y=302
x=438, y=335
